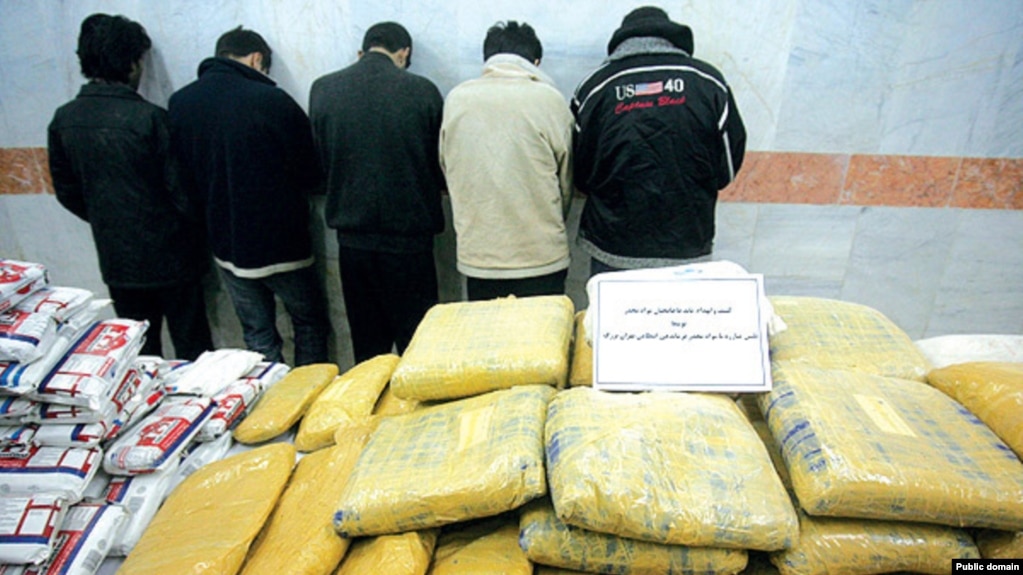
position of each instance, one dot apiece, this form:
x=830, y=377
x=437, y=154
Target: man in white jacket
x=505, y=147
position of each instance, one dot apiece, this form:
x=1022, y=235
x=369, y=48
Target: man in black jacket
x=377, y=127
x=110, y=165
x=658, y=134
x=249, y=150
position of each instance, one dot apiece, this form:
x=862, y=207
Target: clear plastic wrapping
x=676, y=468
x=467, y=348
x=213, y=516
x=447, y=463
x=549, y=541
x=832, y=334
x=873, y=447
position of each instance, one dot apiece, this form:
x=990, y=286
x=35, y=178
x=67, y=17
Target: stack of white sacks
x=92, y=435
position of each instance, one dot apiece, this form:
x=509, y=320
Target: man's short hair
x=109, y=46
x=240, y=42
x=390, y=36
x=512, y=38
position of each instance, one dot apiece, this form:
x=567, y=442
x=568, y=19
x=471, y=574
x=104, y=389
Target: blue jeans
x=301, y=292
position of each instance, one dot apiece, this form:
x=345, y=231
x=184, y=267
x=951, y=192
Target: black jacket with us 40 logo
x=657, y=135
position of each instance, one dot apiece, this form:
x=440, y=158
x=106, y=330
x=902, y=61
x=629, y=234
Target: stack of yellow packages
x=299, y=536
x=348, y=401
x=860, y=546
x=886, y=470
x=665, y=481
x=459, y=465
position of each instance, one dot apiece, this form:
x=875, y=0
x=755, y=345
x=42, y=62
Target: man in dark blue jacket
x=376, y=127
x=249, y=150
x=658, y=134
x=110, y=163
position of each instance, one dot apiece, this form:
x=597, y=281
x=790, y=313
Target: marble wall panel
x=893, y=263
x=807, y=242
x=905, y=77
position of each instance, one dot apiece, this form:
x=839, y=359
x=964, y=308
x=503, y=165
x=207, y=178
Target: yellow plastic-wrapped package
x=285, y=403
x=1000, y=544
x=387, y=406
x=390, y=404
x=993, y=391
x=404, y=554
x=863, y=546
x=832, y=334
x=581, y=372
x=208, y=522
x=299, y=538
x=549, y=541
x=676, y=468
x=451, y=462
x=484, y=547
x=350, y=398
x=872, y=447
x=829, y=545
x=467, y=348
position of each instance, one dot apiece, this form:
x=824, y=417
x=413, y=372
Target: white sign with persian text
x=680, y=334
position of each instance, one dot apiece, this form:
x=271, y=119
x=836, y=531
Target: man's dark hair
x=512, y=38
x=109, y=46
x=239, y=43
x=390, y=36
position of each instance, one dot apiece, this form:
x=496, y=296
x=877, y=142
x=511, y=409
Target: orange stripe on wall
x=766, y=177
x=867, y=180
x=24, y=171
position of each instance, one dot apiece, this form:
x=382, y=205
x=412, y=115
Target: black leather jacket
x=109, y=161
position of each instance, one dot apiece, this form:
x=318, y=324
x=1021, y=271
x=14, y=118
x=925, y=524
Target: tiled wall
x=936, y=244
x=766, y=177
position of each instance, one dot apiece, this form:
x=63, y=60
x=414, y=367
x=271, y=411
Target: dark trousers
x=185, y=309
x=301, y=292
x=478, y=289
x=386, y=296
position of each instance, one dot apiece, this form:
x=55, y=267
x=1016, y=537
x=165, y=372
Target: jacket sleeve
x=306, y=172
x=563, y=155
x=173, y=181
x=582, y=159
x=318, y=129
x=436, y=123
x=66, y=184
x=733, y=133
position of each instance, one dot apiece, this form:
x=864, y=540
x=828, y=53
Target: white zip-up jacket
x=505, y=148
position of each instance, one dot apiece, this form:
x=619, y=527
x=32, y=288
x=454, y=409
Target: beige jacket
x=505, y=147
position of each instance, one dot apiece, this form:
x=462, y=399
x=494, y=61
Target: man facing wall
x=506, y=152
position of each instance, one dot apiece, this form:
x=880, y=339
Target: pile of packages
x=483, y=449
x=475, y=453
x=93, y=435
